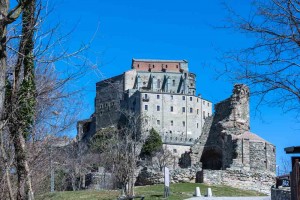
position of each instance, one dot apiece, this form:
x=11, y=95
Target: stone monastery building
x=214, y=147
x=162, y=91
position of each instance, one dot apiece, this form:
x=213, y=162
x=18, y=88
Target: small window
x=158, y=83
x=191, y=110
x=173, y=82
x=183, y=97
x=203, y=114
x=146, y=96
x=171, y=109
x=207, y=114
x=174, y=150
x=197, y=100
x=158, y=96
x=197, y=111
x=191, y=98
x=171, y=97
x=166, y=66
x=158, y=122
x=207, y=104
x=197, y=125
x=153, y=66
x=146, y=107
x=183, y=109
x=176, y=66
x=138, y=66
x=203, y=102
x=183, y=123
x=172, y=122
x=158, y=108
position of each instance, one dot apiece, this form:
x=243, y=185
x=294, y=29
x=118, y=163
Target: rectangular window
x=207, y=104
x=197, y=100
x=203, y=114
x=157, y=96
x=197, y=125
x=158, y=108
x=191, y=110
x=191, y=98
x=172, y=123
x=207, y=114
x=173, y=82
x=183, y=109
x=203, y=102
x=146, y=96
x=158, y=122
x=183, y=97
x=146, y=107
x=171, y=108
x=171, y=97
x=197, y=111
x=183, y=123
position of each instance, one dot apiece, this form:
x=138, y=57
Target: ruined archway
x=211, y=159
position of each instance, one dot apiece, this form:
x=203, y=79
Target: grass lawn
x=178, y=191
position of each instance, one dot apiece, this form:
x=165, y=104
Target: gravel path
x=230, y=198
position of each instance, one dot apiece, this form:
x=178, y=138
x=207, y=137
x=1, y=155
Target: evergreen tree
x=152, y=145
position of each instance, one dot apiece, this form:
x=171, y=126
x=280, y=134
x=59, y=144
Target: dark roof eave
x=291, y=150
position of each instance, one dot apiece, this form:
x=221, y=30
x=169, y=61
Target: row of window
x=172, y=123
x=172, y=110
x=162, y=65
x=107, y=105
x=183, y=98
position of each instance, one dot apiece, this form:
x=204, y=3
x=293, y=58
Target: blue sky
x=167, y=30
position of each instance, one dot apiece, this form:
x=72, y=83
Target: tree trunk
x=24, y=181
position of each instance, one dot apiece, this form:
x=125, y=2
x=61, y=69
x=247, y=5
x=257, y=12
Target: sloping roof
x=251, y=137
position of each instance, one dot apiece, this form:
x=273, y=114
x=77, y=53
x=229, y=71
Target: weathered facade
x=226, y=141
x=162, y=92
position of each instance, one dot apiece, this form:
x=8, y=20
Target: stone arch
x=212, y=159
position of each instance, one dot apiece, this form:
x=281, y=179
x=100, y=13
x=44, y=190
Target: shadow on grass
x=157, y=195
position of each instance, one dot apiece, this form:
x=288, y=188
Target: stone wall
x=280, y=194
x=109, y=96
x=150, y=176
x=260, y=181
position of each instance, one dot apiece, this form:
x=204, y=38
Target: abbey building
x=163, y=92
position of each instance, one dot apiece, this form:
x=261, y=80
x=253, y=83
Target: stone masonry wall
x=247, y=180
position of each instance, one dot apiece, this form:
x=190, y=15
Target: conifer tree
x=152, y=145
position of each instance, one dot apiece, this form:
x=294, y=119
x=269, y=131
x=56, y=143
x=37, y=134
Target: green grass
x=178, y=191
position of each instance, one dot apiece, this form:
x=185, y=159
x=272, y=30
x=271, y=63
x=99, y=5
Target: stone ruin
x=227, y=152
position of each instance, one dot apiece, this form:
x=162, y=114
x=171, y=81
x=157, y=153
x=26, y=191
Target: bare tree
x=32, y=96
x=270, y=64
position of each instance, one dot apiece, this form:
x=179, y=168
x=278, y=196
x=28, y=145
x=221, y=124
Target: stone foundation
x=150, y=176
x=242, y=179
